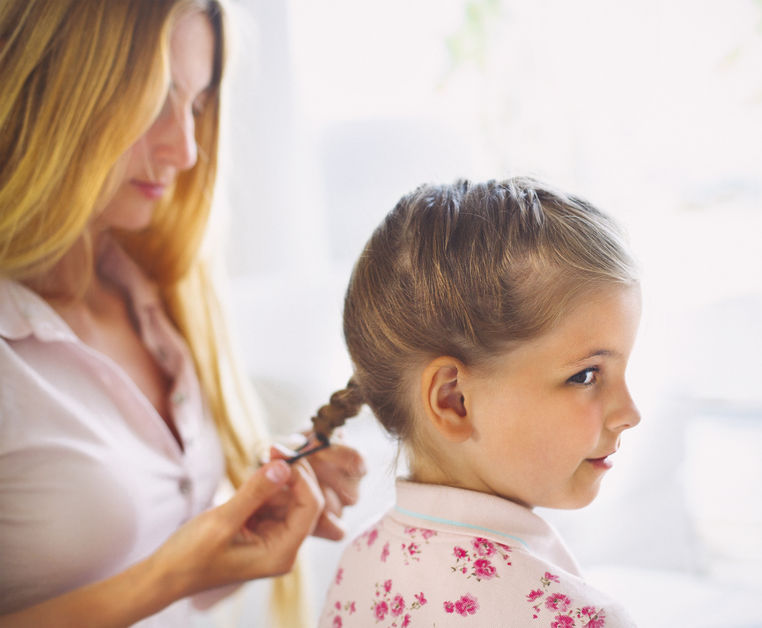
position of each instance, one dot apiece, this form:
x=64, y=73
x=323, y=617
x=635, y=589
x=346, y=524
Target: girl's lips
x=150, y=190
x=603, y=464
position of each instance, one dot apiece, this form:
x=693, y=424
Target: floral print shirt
x=445, y=556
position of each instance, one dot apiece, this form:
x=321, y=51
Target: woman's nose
x=177, y=141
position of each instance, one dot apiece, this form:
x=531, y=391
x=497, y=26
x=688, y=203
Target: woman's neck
x=74, y=277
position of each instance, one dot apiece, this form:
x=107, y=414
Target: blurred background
x=652, y=110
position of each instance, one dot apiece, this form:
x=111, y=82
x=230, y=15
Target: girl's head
x=489, y=326
x=110, y=116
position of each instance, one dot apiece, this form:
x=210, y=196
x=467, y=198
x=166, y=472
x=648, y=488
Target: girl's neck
x=430, y=467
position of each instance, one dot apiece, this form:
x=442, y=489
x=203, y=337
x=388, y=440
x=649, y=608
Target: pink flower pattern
x=560, y=604
x=380, y=609
x=412, y=550
x=391, y=605
x=348, y=607
x=466, y=605
x=483, y=547
x=595, y=617
x=398, y=605
x=478, y=560
x=534, y=594
x=557, y=602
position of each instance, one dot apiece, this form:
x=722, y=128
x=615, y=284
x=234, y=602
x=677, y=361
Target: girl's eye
x=586, y=377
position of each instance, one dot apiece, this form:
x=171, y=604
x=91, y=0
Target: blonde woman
x=118, y=392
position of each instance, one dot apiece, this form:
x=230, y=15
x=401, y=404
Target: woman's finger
x=341, y=468
x=307, y=502
x=330, y=525
x=252, y=494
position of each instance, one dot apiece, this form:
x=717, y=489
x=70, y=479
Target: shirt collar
x=464, y=511
x=24, y=313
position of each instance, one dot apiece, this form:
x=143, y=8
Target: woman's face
x=169, y=146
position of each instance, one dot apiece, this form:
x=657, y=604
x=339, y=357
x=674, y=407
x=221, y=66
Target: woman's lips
x=149, y=189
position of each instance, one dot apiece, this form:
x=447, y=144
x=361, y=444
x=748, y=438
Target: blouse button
x=178, y=398
x=185, y=486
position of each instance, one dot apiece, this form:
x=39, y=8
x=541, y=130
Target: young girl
x=489, y=326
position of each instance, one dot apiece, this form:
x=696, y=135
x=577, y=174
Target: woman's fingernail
x=277, y=471
x=361, y=469
x=282, y=450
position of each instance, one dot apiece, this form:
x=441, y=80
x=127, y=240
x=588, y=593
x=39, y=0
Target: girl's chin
x=574, y=500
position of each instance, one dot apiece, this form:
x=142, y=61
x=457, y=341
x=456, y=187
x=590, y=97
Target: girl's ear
x=443, y=397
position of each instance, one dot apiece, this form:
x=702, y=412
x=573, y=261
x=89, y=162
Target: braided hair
x=344, y=403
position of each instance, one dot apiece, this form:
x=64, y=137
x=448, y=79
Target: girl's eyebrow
x=597, y=353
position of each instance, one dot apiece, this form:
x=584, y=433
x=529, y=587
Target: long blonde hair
x=82, y=80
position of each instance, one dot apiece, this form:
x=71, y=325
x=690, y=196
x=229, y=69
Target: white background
x=651, y=109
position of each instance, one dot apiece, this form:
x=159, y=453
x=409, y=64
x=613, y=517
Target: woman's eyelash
x=197, y=106
x=585, y=377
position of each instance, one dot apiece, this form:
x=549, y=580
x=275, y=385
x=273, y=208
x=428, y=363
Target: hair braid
x=344, y=403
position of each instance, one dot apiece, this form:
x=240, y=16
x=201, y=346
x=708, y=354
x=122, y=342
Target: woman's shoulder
x=24, y=313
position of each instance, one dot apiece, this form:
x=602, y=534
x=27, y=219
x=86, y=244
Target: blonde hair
x=467, y=270
x=82, y=81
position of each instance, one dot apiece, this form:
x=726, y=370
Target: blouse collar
x=498, y=519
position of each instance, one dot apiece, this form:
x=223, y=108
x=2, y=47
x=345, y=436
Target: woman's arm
x=224, y=545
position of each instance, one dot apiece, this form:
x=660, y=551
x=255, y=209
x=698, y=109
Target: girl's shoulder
x=399, y=575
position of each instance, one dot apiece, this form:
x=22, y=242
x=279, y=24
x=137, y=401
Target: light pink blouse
x=91, y=478
x=445, y=556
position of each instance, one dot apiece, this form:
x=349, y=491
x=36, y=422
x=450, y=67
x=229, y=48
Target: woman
x=118, y=392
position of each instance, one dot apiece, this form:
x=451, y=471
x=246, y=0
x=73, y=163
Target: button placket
x=185, y=486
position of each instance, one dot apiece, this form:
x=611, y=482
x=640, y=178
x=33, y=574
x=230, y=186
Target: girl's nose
x=624, y=414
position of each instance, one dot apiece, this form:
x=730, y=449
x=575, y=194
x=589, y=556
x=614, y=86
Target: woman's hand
x=242, y=539
x=339, y=470
x=245, y=538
